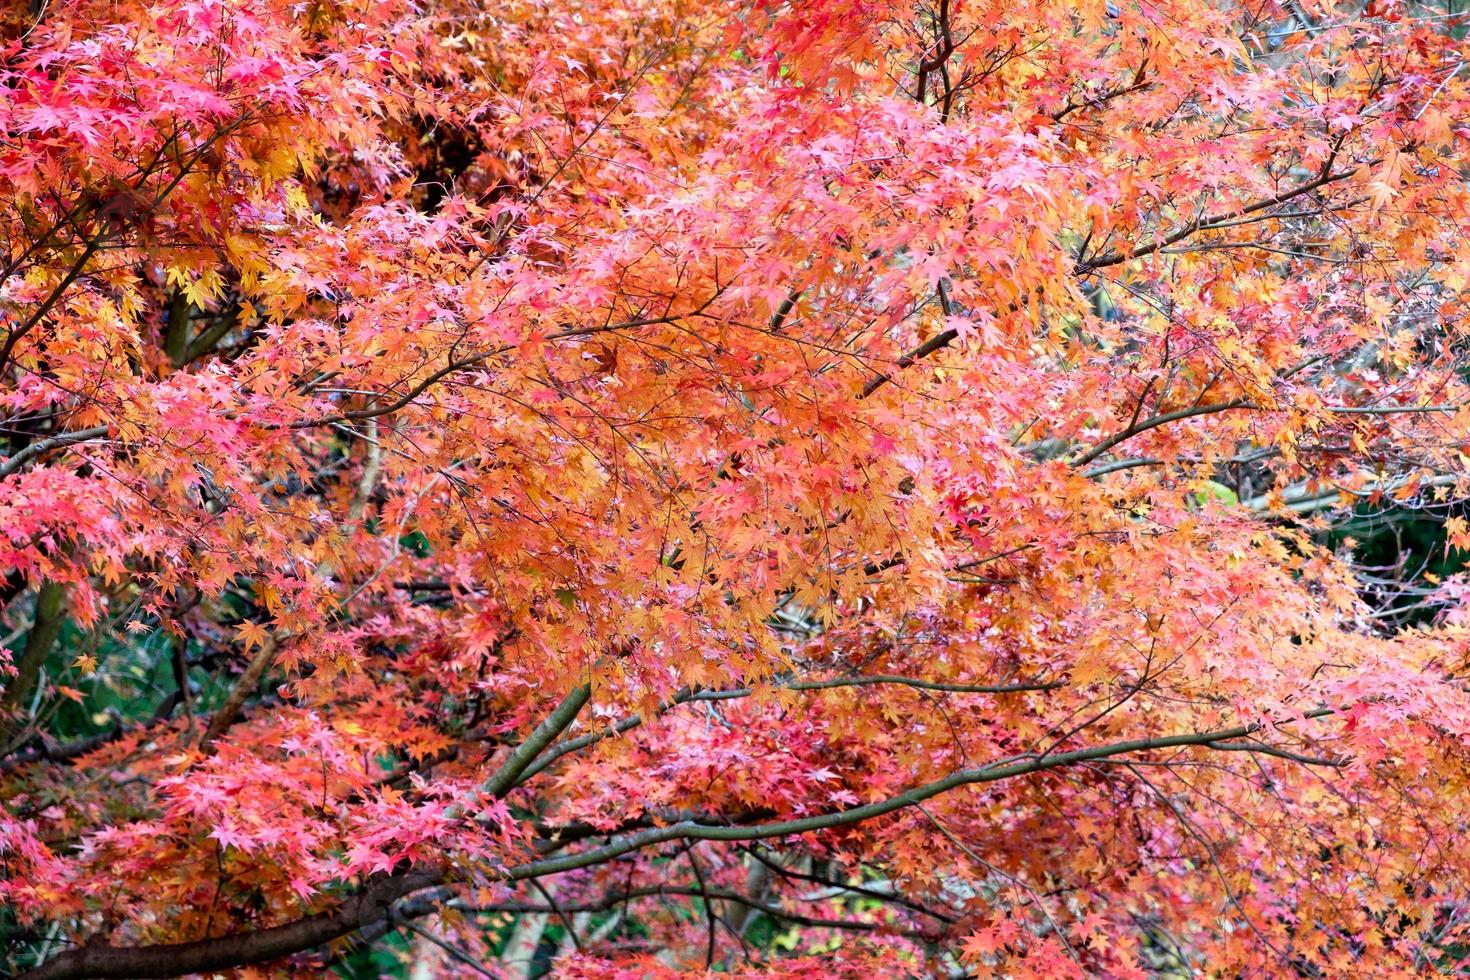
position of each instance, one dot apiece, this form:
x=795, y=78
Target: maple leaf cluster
x=624, y=488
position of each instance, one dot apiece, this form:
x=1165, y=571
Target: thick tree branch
x=50, y=615
x=207, y=338
x=244, y=686
x=46, y=445
x=1005, y=769
x=509, y=774
x=225, y=952
x=372, y=903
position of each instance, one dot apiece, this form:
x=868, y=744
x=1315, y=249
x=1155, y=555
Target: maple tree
x=835, y=488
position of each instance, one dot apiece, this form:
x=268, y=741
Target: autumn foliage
x=813, y=489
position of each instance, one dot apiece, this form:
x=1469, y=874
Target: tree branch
x=1155, y=422
x=245, y=685
x=50, y=615
x=471, y=360
x=1327, y=176
x=224, y=952
x=509, y=774
x=730, y=694
x=708, y=894
x=1005, y=769
x=372, y=904
x=46, y=445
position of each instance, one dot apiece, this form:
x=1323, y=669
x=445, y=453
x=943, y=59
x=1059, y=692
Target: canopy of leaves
x=812, y=489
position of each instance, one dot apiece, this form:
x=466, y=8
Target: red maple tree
x=829, y=488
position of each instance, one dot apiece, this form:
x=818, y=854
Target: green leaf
x=1216, y=491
